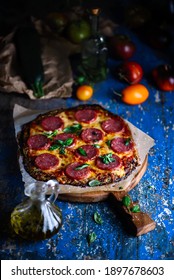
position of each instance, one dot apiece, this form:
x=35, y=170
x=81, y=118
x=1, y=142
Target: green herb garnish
x=97, y=218
x=126, y=201
x=97, y=146
x=94, y=183
x=107, y=158
x=61, y=145
x=80, y=167
x=91, y=237
x=127, y=141
x=73, y=128
x=51, y=134
x=135, y=208
x=82, y=151
x=108, y=143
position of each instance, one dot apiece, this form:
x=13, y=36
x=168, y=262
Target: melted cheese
x=69, y=157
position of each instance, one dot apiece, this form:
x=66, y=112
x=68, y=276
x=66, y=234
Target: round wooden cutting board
x=97, y=196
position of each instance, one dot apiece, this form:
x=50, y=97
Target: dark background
x=13, y=12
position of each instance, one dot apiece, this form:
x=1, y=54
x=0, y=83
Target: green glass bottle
x=37, y=217
x=94, y=51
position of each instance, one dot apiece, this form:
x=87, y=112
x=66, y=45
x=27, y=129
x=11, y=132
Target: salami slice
x=38, y=142
x=86, y=115
x=46, y=161
x=114, y=164
x=76, y=171
x=87, y=152
x=113, y=125
x=121, y=145
x=91, y=135
x=66, y=136
x=51, y=123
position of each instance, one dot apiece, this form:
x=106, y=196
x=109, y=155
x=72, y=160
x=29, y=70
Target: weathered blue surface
x=154, y=192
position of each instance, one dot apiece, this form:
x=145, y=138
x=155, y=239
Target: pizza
x=86, y=145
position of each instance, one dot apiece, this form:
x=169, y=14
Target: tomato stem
x=116, y=93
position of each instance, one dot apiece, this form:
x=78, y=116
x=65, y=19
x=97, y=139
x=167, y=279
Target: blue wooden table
x=154, y=192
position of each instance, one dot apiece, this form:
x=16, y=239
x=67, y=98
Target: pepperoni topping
x=112, y=163
x=46, y=161
x=121, y=145
x=77, y=171
x=86, y=115
x=65, y=136
x=113, y=125
x=38, y=142
x=91, y=135
x=86, y=152
x=51, y=123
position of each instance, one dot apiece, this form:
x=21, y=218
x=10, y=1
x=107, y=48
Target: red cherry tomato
x=163, y=76
x=130, y=72
x=121, y=47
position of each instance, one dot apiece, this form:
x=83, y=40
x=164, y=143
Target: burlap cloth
x=55, y=59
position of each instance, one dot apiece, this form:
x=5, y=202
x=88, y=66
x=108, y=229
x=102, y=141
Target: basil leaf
x=108, y=143
x=107, y=158
x=54, y=147
x=73, y=128
x=126, y=201
x=80, y=167
x=91, y=237
x=51, y=134
x=135, y=209
x=94, y=183
x=97, y=218
x=62, y=150
x=82, y=151
x=96, y=146
x=59, y=142
x=127, y=141
x=68, y=142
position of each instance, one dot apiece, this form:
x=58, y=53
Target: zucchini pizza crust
x=104, y=154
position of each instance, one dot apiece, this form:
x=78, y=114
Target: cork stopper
x=95, y=11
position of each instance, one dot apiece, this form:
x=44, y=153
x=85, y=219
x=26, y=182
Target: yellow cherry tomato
x=135, y=94
x=84, y=92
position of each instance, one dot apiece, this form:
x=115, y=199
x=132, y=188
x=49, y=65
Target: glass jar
x=94, y=52
x=38, y=217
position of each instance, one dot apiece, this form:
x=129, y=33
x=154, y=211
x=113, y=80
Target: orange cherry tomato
x=84, y=92
x=135, y=94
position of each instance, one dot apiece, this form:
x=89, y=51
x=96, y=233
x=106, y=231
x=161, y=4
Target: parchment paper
x=143, y=142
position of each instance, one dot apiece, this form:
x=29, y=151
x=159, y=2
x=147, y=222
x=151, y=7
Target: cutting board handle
x=135, y=223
